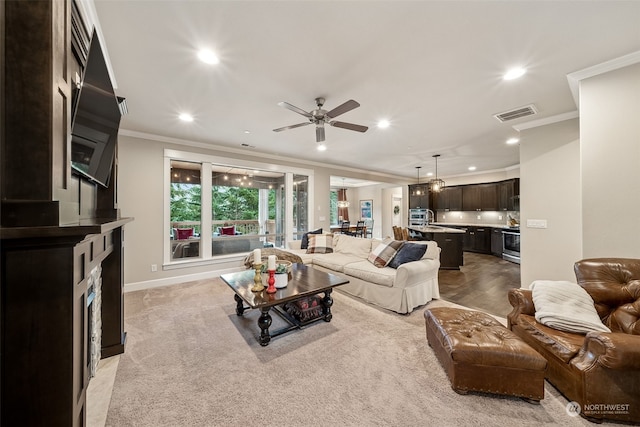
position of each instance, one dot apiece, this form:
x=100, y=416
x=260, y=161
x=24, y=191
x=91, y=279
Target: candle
x=272, y=262
x=257, y=256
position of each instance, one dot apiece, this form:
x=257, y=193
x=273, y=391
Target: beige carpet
x=191, y=361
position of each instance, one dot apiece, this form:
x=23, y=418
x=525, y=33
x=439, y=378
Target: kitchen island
x=449, y=240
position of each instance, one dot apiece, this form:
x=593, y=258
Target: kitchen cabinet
x=449, y=199
x=488, y=197
x=450, y=244
x=496, y=241
x=418, y=201
x=451, y=256
x=479, y=239
x=508, y=195
x=471, y=198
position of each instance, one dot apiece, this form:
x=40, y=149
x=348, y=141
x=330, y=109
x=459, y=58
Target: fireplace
x=94, y=319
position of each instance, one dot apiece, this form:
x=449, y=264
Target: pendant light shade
x=418, y=190
x=342, y=197
x=436, y=185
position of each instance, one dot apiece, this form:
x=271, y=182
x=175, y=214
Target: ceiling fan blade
x=294, y=109
x=341, y=109
x=350, y=126
x=319, y=133
x=292, y=126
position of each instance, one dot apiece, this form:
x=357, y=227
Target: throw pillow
x=184, y=233
x=384, y=252
x=565, y=306
x=407, y=253
x=320, y=244
x=305, y=238
x=228, y=231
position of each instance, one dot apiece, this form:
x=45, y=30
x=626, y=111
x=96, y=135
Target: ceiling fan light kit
x=320, y=116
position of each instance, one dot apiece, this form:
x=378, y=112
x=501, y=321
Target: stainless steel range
x=511, y=245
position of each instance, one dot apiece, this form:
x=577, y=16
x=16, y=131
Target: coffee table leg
x=264, y=322
x=327, y=302
x=239, y=305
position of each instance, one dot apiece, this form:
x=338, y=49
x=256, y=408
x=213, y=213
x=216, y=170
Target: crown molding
x=614, y=64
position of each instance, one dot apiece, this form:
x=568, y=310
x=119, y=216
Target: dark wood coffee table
x=305, y=281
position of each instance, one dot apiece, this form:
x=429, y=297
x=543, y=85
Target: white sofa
x=409, y=286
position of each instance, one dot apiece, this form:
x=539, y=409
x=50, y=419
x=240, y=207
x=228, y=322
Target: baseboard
x=148, y=284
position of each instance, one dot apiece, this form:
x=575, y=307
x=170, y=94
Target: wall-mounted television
x=96, y=119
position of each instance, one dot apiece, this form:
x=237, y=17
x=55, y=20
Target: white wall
x=140, y=195
x=610, y=138
x=550, y=190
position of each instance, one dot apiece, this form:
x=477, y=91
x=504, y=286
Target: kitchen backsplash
x=480, y=218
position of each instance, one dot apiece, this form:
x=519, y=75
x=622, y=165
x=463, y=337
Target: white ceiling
x=432, y=68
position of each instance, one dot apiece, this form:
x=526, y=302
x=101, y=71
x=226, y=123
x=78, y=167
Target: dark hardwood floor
x=482, y=283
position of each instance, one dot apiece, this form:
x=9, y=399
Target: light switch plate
x=536, y=223
x=322, y=218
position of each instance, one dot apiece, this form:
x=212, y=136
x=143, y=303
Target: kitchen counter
x=434, y=229
x=460, y=224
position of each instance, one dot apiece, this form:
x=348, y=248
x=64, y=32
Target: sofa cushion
x=350, y=245
x=305, y=238
x=384, y=252
x=335, y=261
x=183, y=233
x=563, y=345
x=407, y=253
x=228, y=231
x=320, y=244
x=368, y=272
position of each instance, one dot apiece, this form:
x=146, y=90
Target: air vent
x=527, y=110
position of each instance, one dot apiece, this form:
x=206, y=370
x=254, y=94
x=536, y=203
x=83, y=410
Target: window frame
x=206, y=161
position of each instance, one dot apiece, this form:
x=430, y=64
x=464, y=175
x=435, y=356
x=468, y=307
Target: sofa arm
x=522, y=302
x=414, y=272
x=609, y=350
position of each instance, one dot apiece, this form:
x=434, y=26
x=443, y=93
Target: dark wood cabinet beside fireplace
x=60, y=235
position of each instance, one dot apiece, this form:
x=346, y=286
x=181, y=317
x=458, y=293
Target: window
x=333, y=207
x=217, y=208
x=185, y=221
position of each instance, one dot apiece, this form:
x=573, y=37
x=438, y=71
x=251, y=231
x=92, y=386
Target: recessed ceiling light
x=472, y=168
x=430, y=174
x=322, y=147
x=185, y=117
x=383, y=124
x=514, y=73
x=208, y=57
x=512, y=141
x=247, y=131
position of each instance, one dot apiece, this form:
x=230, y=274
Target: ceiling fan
x=319, y=117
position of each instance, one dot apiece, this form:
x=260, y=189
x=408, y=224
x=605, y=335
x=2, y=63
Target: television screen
x=96, y=119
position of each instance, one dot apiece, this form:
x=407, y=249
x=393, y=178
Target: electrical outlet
x=537, y=223
x=499, y=217
x=154, y=267
x=479, y=217
x=322, y=218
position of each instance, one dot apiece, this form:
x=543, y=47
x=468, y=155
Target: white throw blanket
x=565, y=306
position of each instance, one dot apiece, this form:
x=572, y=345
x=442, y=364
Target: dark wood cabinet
x=58, y=233
x=449, y=199
x=471, y=198
x=488, y=197
x=418, y=196
x=451, y=256
x=496, y=241
x=479, y=239
x=509, y=194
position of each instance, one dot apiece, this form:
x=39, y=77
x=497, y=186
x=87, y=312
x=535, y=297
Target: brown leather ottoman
x=479, y=354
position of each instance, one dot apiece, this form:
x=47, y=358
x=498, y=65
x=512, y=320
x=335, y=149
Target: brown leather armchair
x=599, y=371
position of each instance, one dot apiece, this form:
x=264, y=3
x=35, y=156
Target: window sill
x=198, y=262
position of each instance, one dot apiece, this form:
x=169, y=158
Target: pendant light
x=436, y=185
x=343, y=203
x=417, y=189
